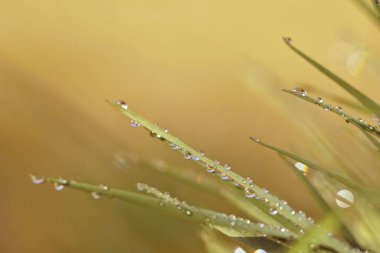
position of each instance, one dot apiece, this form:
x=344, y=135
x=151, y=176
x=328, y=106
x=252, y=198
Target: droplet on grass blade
x=302, y=167
x=95, y=195
x=134, y=123
x=260, y=251
x=344, y=198
x=37, y=180
x=239, y=250
x=122, y=104
x=299, y=91
x=58, y=187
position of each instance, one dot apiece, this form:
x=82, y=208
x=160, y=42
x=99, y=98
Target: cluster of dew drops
x=339, y=110
x=232, y=220
x=60, y=184
x=247, y=183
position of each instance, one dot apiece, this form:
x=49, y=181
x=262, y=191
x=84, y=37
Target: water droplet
x=293, y=212
x=299, y=91
x=63, y=181
x=58, y=187
x=344, y=198
x=227, y=166
x=327, y=108
x=122, y=104
x=283, y=230
x=318, y=100
x=189, y=213
x=161, y=203
x=37, y=180
x=339, y=108
x=174, y=146
x=302, y=167
x=287, y=40
x=140, y=187
x=265, y=190
x=255, y=139
x=261, y=225
x=134, y=123
x=95, y=195
x=224, y=177
x=210, y=168
x=239, y=250
x=249, y=193
x=104, y=187
x=260, y=251
x=273, y=211
x=166, y=130
x=187, y=155
x=156, y=135
x=232, y=223
x=247, y=221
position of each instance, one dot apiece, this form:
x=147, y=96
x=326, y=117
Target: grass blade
x=371, y=105
x=373, y=194
x=236, y=227
x=277, y=208
x=337, y=110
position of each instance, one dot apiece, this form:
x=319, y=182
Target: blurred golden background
x=210, y=71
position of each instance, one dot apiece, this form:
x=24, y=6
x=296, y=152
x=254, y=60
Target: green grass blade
x=238, y=227
x=337, y=110
x=370, y=193
x=279, y=209
x=371, y=105
x=251, y=207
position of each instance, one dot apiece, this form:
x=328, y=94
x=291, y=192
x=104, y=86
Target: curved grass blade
x=371, y=105
x=277, y=208
x=376, y=6
x=251, y=207
x=238, y=226
x=370, y=193
x=337, y=110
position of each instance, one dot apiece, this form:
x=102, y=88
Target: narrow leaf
x=371, y=105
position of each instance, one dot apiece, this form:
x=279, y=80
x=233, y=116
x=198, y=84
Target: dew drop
x=122, y=104
x=299, y=91
x=249, y=193
x=166, y=130
x=227, y=166
x=224, y=177
x=140, y=187
x=319, y=100
x=265, y=190
x=104, y=187
x=302, y=167
x=37, y=180
x=174, y=146
x=344, y=198
x=239, y=250
x=233, y=223
x=95, y=195
x=134, y=123
x=210, y=168
x=189, y=213
x=283, y=230
x=58, y=187
x=260, y=225
x=260, y=251
x=327, y=108
x=161, y=203
x=273, y=211
x=187, y=155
